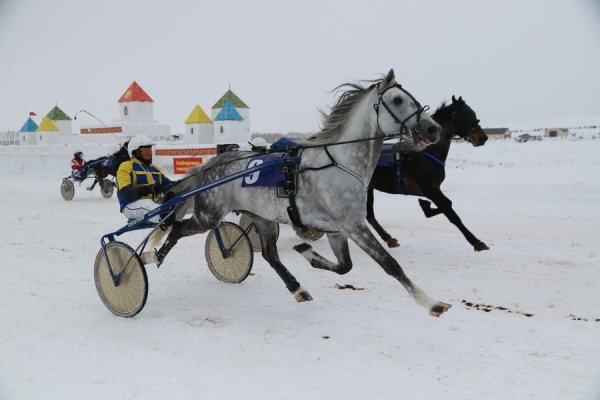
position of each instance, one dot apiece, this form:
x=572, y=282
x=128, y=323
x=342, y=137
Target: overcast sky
x=511, y=60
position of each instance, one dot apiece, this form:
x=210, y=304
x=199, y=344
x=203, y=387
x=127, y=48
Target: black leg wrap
x=300, y=248
x=290, y=281
x=164, y=250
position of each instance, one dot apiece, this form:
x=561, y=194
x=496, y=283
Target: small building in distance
x=62, y=121
x=497, y=133
x=556, y=132
x=198, y=127
x=53, y=127
x=231, y=117
x=27, y=134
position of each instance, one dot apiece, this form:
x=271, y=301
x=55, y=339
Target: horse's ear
x=453, y=99
x=388, y=81
x=460, y=99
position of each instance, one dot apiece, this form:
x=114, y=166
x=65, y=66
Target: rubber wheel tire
x=129, y=297
x=67, y=189
x=253, y=234
x=236, y=266
x=309, y=234
x=106, y=188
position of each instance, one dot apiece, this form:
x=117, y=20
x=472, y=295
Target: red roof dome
x=135, y=93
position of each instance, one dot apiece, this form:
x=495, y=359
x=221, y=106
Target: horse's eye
x=397, y=100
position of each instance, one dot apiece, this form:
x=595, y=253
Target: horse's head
x=399, y=113
x=466, y=124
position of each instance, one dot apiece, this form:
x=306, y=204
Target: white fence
x=55, y=160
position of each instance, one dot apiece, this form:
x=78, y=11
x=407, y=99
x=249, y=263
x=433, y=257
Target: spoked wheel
x=308, y=233
x=233, y=264
x=106, y=188
x=253, y=235
x=67, y=189
x=128, y=297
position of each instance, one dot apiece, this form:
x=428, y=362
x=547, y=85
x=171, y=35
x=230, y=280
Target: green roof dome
x=230, y=96
x=56, y=114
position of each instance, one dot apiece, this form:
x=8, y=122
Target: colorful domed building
x=136, y=116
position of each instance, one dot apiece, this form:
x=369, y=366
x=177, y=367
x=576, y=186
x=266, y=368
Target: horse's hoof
x=392, y=242
x=480, y=246
x=439, y=308
x=301, y=248
x=302, y=295
x=425, y=204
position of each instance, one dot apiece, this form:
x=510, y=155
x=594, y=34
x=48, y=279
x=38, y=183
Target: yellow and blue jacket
x=134, y=174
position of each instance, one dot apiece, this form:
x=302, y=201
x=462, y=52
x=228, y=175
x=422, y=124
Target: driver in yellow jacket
x=140, y=182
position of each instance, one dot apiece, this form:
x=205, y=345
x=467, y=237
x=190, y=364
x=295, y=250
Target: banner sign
x=186, y=152
x=113, y=129
x=181, y=165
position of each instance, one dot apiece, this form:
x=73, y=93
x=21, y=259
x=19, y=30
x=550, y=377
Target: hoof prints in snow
x=489, y=308
x=348, y=286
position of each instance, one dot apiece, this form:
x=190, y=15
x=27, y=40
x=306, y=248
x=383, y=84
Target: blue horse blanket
x=266, y=177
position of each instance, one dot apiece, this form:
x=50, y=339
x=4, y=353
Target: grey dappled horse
x=335, y=168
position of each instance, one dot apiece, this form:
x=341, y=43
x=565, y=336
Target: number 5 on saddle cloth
x=284, y=179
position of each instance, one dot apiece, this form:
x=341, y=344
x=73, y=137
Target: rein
x=382, y=136
x=434, y=158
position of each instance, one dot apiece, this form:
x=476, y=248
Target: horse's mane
x=439, y=110
x=333, y=122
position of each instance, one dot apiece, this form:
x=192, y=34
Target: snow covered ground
x=525, y=320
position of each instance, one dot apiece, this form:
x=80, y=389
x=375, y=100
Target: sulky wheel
x=308, y=233
x=253, y=235
x=233, y=263
x=106, y=188
x=67, y=189
x=128, y=296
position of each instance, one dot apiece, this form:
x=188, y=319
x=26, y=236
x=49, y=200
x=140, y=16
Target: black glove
x=155, y=189
x=145, y=190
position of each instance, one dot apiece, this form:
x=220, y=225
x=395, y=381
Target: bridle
x=403, y=129
x=401, y=135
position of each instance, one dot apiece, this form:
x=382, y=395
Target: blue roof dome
x=228, y=113
x=29, y=126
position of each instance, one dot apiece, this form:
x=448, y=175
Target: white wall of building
x=65, y=127
x=48, y=160
x=233, y=131
x=139, y=120
x=136, y=110
x=28, y=138
x=52, y=137
x=230, y=132
x=199, y=133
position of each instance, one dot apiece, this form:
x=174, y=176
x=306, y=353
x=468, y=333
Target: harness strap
x=290, y=171
x=398, y=164
x=434, y=158
x=334, y=163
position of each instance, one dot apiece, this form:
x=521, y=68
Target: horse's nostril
x=432, y=130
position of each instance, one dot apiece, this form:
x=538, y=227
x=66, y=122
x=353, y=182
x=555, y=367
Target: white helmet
x=138, y=141
x=259, y=142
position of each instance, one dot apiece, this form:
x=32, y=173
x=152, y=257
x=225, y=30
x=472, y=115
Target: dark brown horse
x=421, y=174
